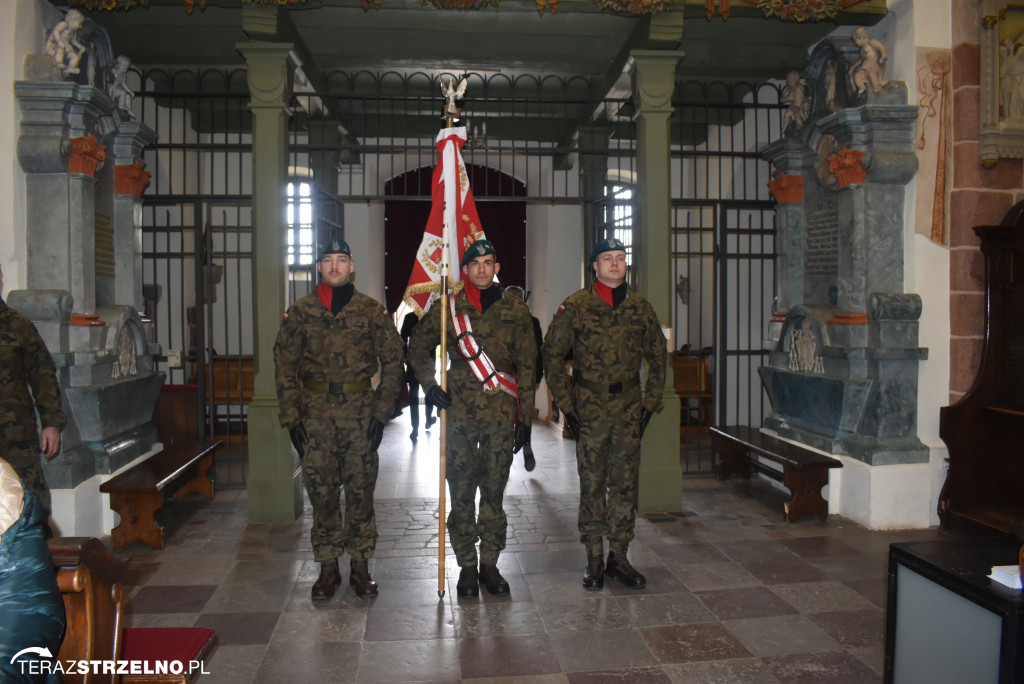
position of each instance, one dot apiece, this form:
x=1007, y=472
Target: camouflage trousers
x=608, y=462
x=479, y=457
x=25, y=457
x=338, y=455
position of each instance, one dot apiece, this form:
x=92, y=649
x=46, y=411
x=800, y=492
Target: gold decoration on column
x=802, y=10
x=86, y=154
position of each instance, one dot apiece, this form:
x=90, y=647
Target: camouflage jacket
x=314, y=344
x=505, y=332
x=607, y=345
x=25, y=363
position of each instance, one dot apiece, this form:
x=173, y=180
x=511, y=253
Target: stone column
x=593, y=143
x=654, y=81
x=275, y=493
x=130, y=179
x=59, y=156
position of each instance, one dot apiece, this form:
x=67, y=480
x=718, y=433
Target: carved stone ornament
x=787, y=188
x=803, y=351
x=130, y=179
x=1002, y=81
x=86, y=154
x=846, y=167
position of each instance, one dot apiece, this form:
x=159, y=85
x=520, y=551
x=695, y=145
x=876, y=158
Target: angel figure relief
x=869, y=69
x=451, y=94
x=795, y=95
x=803, y=351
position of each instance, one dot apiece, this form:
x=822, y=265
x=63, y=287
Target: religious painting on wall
x=933, y=99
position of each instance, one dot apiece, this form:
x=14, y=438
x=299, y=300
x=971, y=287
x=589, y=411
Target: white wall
x=22, y=35
x=364, y=233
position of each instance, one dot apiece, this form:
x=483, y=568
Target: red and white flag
x=453, y=221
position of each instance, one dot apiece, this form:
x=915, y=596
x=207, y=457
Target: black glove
x=574, y=423
x=375, y=433
x=299, y=438
x=438, y=397
x=522, y=436
x=645, y=418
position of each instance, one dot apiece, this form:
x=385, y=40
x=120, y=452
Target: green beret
x=477, y=249
x=609, y=245
x=333, y=247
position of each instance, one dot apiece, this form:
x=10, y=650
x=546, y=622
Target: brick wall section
x=978, y=196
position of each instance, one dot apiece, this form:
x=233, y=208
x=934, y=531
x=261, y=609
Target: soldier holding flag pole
x=493, y=348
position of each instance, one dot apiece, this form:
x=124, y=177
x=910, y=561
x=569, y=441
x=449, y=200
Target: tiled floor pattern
x=734, y=594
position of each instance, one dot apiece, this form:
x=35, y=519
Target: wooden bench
x=89, y=578
x=804, y=472
x=139, y=492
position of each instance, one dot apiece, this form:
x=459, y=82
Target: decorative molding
x=86, y=154
x=847, y=168
x=787, y=189
x=798, y=10
x=1001, y=113
x=130, y=179
x=86, y=320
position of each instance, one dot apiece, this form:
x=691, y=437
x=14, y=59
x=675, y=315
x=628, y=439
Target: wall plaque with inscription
x=821, y=249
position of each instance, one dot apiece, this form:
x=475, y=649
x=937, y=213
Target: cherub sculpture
x=451, y=94
x=870, y=68
x=117, y=86
x=795, y=96
x=63, y=46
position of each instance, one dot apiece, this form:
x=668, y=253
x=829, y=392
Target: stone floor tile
x=781, y=635
x=240, y=628
x=505, y=656
x=606, y=649
x=833, y=667
x=694, y=642
x=749, y=602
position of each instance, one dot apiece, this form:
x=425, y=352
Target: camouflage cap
x=609, y=245
x=333, y=247
x=477, y=249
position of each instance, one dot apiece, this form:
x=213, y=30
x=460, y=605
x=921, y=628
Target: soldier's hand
x=574, y=423
x=299, y=438
x=375, y=433
x=49, y=442
x=645, y=418
x=522, y=437
x=438, y=397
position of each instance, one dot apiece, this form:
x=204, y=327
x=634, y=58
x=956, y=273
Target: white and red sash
x=483, y=368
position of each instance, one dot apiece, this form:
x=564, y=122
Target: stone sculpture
x=795, y=96
x=63, y=46
x=117, y=86
x=869, y=69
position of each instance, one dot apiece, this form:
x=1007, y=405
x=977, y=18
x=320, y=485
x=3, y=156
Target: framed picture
x=1002, y=80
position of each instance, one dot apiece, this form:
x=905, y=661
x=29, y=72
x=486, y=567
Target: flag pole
x=451, y=114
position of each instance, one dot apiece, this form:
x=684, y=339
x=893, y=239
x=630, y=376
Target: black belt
x=337, y=387
x=609, y=387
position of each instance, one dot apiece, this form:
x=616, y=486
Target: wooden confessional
x=984, y=431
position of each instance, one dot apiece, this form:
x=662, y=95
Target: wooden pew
x=89, y=578
x=804, y=472
x=139, y=492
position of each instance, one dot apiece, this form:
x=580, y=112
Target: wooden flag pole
x=451, y=113
x=442, y=419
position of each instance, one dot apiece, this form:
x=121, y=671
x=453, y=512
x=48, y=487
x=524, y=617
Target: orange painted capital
x=86, y=154
x=846, y=167
x=86, y=320
x=130, y=179
x=787, y=189
x=849, y=319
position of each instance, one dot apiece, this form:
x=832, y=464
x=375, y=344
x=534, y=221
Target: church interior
x=820, y=200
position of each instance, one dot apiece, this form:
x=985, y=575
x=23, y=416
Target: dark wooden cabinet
x=984, y=431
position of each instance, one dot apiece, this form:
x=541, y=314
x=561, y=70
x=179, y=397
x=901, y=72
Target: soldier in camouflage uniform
x=610, y=330
x=329, y=346
x=485, y=428
x=26, y=364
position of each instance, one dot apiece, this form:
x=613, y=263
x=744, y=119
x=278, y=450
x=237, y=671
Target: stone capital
x=654, y=80
x=269, y=74
x=130, y=179
x=787, y=189
x=86, y=155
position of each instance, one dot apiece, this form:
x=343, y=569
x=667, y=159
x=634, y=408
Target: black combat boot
x=492, y=580
x=362, y=584
x=469, y=583
x=619, y=568
x=327, y=582
x=594, y=577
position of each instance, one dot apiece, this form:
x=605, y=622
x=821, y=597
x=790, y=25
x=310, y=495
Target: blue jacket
x=31, y=607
